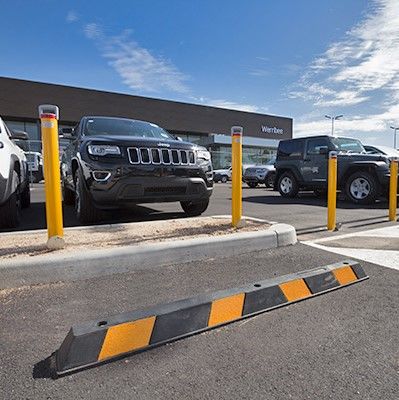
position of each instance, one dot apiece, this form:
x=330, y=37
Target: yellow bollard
x=49, y=115
x=332, y=191
x=393, y=190
x=236, y=175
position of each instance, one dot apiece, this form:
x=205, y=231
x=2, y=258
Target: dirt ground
x=106, y=236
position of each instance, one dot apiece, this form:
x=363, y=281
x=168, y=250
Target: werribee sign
x=277, y=131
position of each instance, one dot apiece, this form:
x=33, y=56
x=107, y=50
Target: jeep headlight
x=103, y=150
x=203, y=155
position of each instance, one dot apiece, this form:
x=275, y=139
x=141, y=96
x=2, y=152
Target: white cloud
x=231, y=105
x=259, y=72
x=71, y=17
x=93, y=31
x=357, y=76
x=365, y=60
x=138, y=67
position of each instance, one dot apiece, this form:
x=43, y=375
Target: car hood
x=131, y=141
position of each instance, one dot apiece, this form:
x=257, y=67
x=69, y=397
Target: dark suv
x=303, y=164
x=116, y=162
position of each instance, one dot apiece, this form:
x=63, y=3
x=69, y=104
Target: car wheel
x=68, y=195
x=86, y=212
x=252, y=184
x=270, y=179
x=193, y=209
x=288, y=185
x=362, y=188
x=10, y=211
x=25, y=196
x=224, y=179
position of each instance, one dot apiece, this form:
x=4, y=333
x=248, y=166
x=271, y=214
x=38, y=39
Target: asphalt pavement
x=340, y=345
x=304, y=212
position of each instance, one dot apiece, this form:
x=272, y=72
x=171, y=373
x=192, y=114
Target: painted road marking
x=353, y=246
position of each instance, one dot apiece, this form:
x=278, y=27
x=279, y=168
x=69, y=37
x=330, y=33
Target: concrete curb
x=94, y=263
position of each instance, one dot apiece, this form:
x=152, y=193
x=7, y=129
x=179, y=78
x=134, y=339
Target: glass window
x=348, y=145
x=19, y=126
x=123, y=126
x=290, y=148
x=221, y=156
x=32, y=129
x=314, y=145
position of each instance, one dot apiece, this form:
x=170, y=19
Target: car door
x=314, y=170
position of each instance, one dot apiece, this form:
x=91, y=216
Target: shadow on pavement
x=34, y=217
x=310, y=199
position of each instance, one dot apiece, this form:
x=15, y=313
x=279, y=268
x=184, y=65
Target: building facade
x=205, y=125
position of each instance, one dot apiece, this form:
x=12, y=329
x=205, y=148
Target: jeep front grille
x=143, y=155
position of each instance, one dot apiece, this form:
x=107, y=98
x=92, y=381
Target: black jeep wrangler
x=303, y=164
x=116, y=162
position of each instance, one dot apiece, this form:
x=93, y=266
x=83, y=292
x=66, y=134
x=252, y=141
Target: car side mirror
x=19, y=135
x=67, y=133
x=323, y=150
x=179, y=138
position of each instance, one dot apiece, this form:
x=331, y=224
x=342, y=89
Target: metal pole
x=236, y=175
x=332, y=126
x=52, y=180
x=332, y=191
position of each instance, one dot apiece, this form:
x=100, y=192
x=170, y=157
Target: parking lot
x=341, y=345
x=306, y=212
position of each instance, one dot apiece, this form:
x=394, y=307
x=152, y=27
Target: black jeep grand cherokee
x=116, y=162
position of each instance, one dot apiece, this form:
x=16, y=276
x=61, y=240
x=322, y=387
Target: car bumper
x=130, y=185
x=253, y=179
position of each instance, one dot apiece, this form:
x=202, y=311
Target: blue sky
x=302, y=59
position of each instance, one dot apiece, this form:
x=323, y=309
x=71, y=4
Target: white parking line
x=386, y=258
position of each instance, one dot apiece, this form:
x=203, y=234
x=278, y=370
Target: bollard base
x=55, y=243
x=241, y=223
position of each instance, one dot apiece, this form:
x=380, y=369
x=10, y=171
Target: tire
x=68, y=195
x=86, y=212
x=362, y=188
x=193, y=209
x=270, y=179
x=25, y=196
x=224, y=179
x=252, y=184
x=10, y=211
x=288, y=185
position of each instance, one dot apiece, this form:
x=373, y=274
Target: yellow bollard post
x=236, y=175
x=393, y=190
x=332, y=191
x=49, y=115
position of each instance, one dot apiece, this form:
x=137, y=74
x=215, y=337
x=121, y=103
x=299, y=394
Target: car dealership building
x=205, y=125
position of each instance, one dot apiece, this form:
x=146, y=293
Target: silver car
x=258, y=174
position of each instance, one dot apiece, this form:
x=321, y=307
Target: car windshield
x=348, y=145
x=124, y=127
x=271, y=161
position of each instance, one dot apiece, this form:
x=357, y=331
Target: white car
x=35, y=166
x=14, y=180
x=222, y=175
x=257, y=174
x=390, y=152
